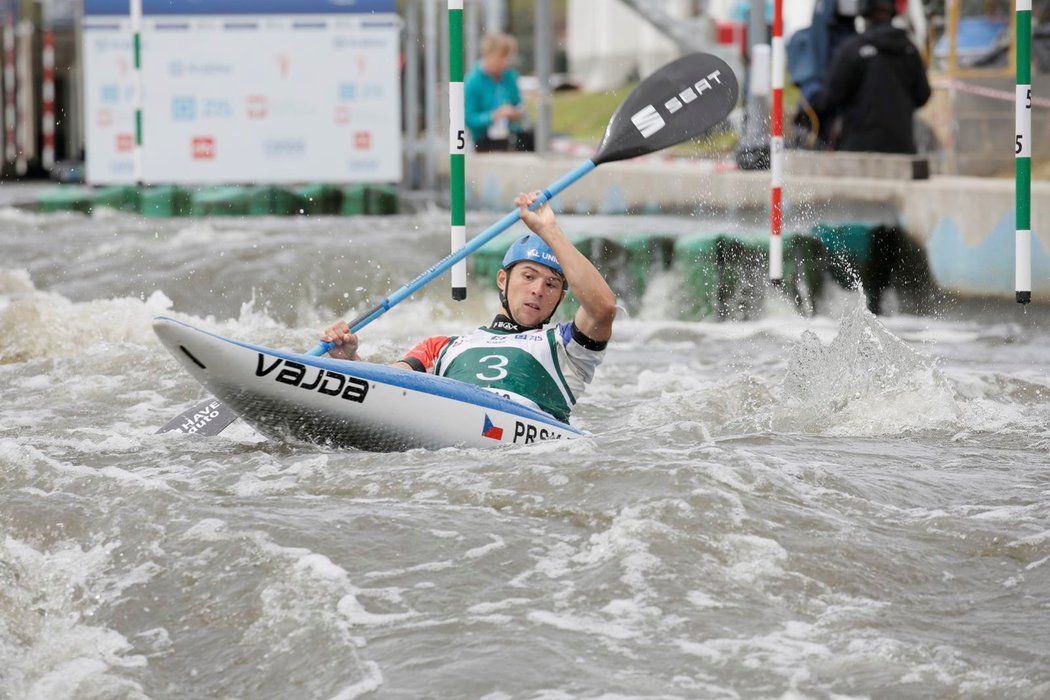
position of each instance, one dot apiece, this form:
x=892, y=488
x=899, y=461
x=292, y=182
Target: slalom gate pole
x=47, y=117
x=457, y=145
x=776, y=149
x=1023, y=156
x=23, y=95
x=9, y=88
x=136, y=47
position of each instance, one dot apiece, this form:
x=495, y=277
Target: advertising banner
x=245, y=91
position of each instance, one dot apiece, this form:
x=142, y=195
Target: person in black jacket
x=876, y=82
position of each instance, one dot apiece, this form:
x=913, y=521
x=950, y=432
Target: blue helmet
x=532, y=248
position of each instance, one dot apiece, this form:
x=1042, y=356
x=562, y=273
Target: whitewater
x=836, y=506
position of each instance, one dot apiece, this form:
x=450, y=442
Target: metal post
x=753, y=152
x=23, y=100
x=472, y=18
x=1023, y=156
x=10, y=151
x=136, y=48
x=544, y=30
x=47, y=116
x=495, y=16
x=412, y=93
x=430, y=69
x=457, y=145
x=74, y=116
x=953, y=67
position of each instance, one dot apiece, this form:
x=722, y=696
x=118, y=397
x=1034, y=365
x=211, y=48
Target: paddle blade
x=679, y=102
x=209, y=418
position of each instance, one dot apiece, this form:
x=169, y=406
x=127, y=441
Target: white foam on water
x=865, y=382
x=753, y=560
x=49, y=649
x=369, y=683
x=703, y=600
x=43, y=324
x=15, y=282
x=306, y=602
x=487, y=608
x=496, y=544
x=582, y=624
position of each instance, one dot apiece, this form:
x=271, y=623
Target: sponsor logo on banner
x=363, y=140
x=258, y=107
x=175, y=69
x=530, y=433
x=490, y=430
x=284, y=64
x=284, y=148
x=648, y=119
x=217, y=109
x=110, y=94
x=325, y=381
x=342, y=114
x=203, y=147
x=359, y=166
x=348, y=92
x=183, y=108
x=104, y=118
x=125, y=143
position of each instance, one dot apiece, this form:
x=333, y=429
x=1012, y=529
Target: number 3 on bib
x=498, y=362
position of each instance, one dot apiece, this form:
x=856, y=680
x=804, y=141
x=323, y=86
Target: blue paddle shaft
x=476, y=242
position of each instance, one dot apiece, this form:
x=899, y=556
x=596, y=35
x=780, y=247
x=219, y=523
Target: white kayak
x=351, y=404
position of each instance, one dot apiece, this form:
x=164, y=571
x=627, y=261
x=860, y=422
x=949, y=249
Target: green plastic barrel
x=219, y=201
x=696, y=260
x=849, y=250
x=648, y=254
x=488, y=259
x=354, y=200
x=164, y=201
x=119, y=197
x=805, y=271
x=723, y=275
x=271, y=200
x=381, y=200
x=64, y=198
x=319, y=199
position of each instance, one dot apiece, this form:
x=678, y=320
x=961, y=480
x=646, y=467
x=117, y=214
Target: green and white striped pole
x=136, y=46
x=1023, y=156
x=457, y=144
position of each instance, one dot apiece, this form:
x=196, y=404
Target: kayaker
x=514, y=356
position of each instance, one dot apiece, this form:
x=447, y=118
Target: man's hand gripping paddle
x=681, y=101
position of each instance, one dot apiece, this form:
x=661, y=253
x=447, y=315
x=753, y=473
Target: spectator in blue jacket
x=493, y=101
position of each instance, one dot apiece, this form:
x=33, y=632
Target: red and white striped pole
x=24, y=90
x=9, y=89
x=47, y=125
x=776, y=148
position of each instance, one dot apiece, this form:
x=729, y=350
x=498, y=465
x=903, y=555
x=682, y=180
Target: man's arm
x=597, y=301
x=421, y=358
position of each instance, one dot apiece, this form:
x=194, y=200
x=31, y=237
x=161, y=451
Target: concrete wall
x=965, y=224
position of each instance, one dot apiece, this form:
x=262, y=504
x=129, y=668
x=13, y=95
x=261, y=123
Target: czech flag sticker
x=490, y=430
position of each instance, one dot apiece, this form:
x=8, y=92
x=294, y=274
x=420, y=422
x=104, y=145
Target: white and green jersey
x=545, y=369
